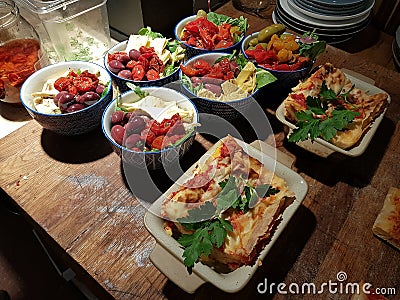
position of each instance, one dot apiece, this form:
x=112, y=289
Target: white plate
x=334, y=17
x=334, y=10
x=366, y=138
x=338, y=33
x=318, y=22
x=233, y=281
x=338, y=2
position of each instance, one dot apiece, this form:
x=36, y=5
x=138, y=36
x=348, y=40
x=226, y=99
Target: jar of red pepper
x=20, y=51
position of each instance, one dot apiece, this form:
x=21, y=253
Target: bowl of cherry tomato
x=288, y=57
x=145, y=59
x=150, y=127
x=210, y=32
x=68, y=97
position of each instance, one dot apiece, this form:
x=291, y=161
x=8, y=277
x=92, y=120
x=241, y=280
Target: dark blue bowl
x=73, y=123
x=227, y=110
x=151, y=159
x=286, y=79
x=193, y=51
x=121, y=82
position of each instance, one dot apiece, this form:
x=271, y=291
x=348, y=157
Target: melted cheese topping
x=249, y=228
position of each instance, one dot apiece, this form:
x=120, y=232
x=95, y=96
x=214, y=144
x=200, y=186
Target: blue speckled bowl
x=155, y=159
x=74, y=123
x=193, y=51
x=286, y=79
x=227, y=110
x=121, y=82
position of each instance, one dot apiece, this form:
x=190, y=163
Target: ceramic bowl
x=73, y=123
x=193, y=51
x=286, y=79
x=121, y=82
x=150, y=159
x=227, y=110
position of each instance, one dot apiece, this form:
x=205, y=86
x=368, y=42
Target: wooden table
x=73, y=191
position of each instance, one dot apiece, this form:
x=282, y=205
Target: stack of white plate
x=334, y=21
x=396, y=48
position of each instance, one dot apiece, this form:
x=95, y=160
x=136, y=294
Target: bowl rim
x=210, y=100
x=113, y=102
x=66, y=64
x=247, y=38
x=193, y=17
x=139, y=82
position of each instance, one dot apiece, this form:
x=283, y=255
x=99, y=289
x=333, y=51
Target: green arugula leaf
x=148, y=32
x=241, y=61
x=310, y=46
x=137, y=90
x=263, y=77
x=241, y=22
x=172, y=45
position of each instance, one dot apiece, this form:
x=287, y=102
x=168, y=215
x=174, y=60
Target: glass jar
x=20, y=51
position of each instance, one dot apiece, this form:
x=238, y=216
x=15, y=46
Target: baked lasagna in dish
x=328, y=105
x=226, y=213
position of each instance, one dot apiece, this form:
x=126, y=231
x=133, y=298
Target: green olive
x=264, y=45
x=253, y=42
x=201, y=13
x=265, y=34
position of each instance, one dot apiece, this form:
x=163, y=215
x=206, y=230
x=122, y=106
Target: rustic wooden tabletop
x=73, y=190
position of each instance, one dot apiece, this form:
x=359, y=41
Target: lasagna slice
x=349, y=97
x=387, y=224
x=252, y=224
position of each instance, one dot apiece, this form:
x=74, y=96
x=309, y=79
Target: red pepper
x=138, y=72
x=84, y=84
x=206, y=38
x=158, y=143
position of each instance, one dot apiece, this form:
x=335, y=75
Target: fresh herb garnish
x=318, y=121
x=137, y=90
x=240, y=22
x=210, y=229
x=207, y=234
x=189, y=84
x=310, y=46
x=148, y=32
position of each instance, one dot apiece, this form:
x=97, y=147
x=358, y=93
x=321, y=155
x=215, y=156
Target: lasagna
x=252, y=223
x=346, y=97
x=387, y=224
